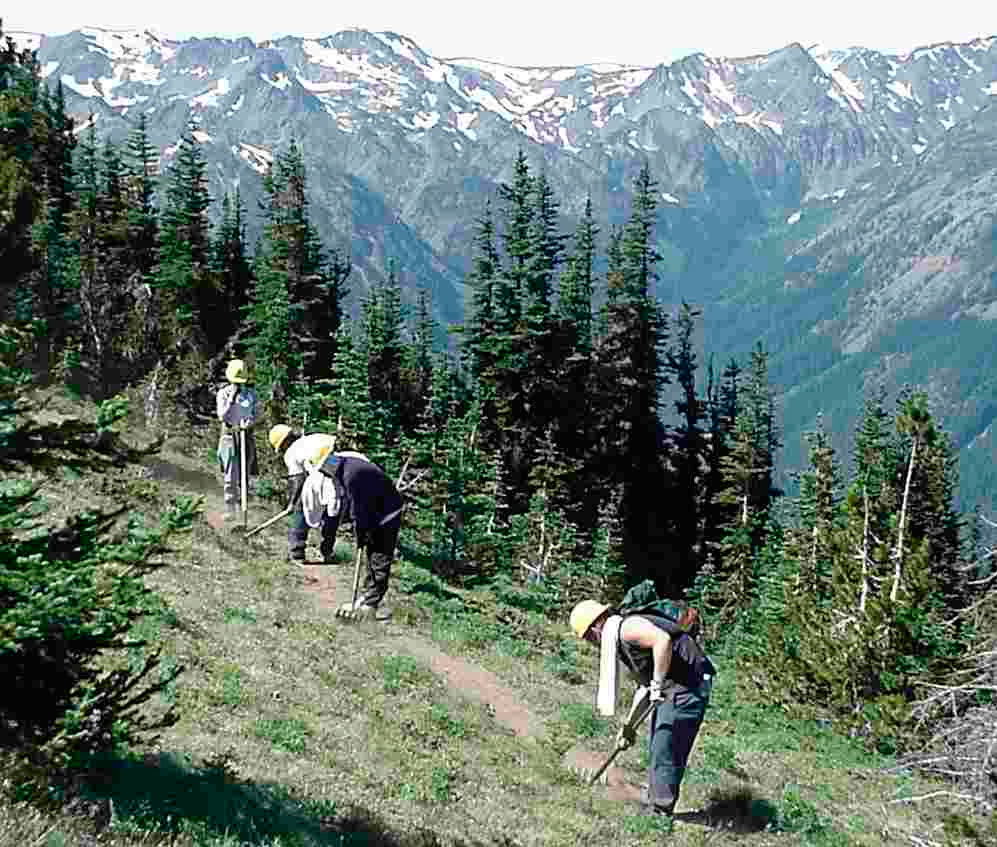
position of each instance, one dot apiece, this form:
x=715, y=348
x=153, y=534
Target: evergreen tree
x=142, y=167
x=631, y=379
x=100, y=268
x=21, y=195
x=507, y=383
x=231, y=266
x=417, y=365
x=51, y=284
x=295, y=312
x=926, y=507
x=746, y=491
x=575, y=432
x=383, y=324
x=811, y=545
x=688, y=452
x=188, y=297
x=721, y=413
x=577, y=284
x=141, y=163
x=485, y=267
x=36, y=143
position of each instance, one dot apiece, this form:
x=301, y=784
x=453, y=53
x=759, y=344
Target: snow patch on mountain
x=210, y=98
x=464, y=121
x=258, y=158
x=87, y=89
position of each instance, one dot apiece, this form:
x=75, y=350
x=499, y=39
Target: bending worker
x=302, y=455
x=236, y=407
x=664, y=655
x=364, y=494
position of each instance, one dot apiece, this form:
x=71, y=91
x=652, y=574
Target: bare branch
x=969, y=798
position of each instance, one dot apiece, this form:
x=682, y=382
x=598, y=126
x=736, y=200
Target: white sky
x=544, y=32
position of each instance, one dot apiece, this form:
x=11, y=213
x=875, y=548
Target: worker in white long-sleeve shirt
x=303, y=454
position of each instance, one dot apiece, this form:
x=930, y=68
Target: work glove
x=656, y=692
x=626, y=737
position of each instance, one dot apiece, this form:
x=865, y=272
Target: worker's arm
x=640, y=632
x=224, y=400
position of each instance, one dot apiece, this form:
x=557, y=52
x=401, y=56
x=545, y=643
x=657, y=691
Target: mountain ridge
x=830, y=204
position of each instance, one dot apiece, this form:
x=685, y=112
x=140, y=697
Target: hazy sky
x=545, y=32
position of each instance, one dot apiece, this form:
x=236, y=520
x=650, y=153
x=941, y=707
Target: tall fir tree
x=188, y=297
x=296, y=307
x=688, y=452
x=577, y=284
x=631, y=360
x=231, y=265
x=482, y=281
x=383, y=323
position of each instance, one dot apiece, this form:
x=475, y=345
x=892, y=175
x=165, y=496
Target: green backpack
x=643, y=599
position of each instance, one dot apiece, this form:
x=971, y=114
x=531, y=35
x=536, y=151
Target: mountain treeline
x=565, y=440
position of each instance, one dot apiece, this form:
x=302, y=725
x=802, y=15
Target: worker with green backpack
x=656, y=640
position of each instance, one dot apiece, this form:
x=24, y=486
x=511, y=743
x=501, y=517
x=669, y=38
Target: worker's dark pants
x=297, y=533
x=379, y=545
x=674, y=726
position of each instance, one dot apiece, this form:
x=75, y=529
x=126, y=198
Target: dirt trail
x=331, y=585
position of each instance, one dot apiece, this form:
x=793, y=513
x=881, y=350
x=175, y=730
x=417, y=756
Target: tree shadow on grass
x=739, y=811
x=168, y=795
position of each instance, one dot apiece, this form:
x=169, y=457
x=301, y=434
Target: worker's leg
x=381, y=543
x=228, y=461
x=674, y=726
x=297, y=531
x=330, y=525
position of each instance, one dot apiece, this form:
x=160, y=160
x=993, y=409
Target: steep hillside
x=459, y=721
x=834, y=203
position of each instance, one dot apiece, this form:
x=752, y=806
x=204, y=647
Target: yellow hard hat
x=584, y=615
x=278, y=435
x=236, y=372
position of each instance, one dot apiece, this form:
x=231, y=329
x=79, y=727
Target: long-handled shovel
x=639, y=709
x=347, y=612
x=243, y=467
x=269, y=521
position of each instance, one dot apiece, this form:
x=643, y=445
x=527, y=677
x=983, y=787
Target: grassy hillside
x=453, y=722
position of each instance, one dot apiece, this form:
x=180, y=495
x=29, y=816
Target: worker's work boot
x=231, y=512
x=360, y=612
x=663, y=806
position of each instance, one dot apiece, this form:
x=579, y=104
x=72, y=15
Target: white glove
x=656, y=693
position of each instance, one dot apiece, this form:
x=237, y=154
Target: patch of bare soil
x=197, y=481
x=478, y=683
x=586, y=762
x=332, y=585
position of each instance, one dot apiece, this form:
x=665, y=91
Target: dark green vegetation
x=539, y=470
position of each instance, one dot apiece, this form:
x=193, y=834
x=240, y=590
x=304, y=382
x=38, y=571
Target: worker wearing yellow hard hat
x=236, y=405
x=662, y=655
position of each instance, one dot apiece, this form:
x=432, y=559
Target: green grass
x=302, y=731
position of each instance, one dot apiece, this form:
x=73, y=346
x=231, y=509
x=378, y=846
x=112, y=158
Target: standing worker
x=665, y=656
x=236, y=407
